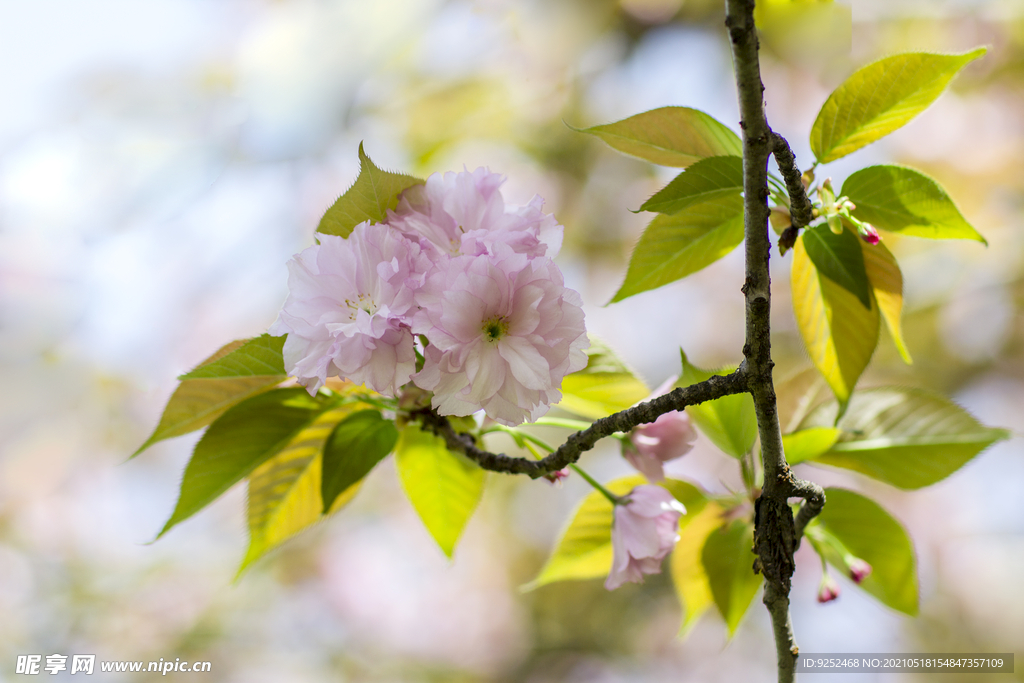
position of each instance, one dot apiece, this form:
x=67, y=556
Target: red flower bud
x=870, y=235
x=828, y=590
x=859, y=570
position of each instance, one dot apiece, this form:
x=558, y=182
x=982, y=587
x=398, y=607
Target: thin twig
x=570, y=451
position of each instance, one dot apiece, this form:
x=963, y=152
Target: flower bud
x=859, y=569
x=869, y=234
x=828, y=590
x=671, y=436
x=643, y=532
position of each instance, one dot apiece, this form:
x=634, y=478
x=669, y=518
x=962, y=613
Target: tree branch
x=775, y=530
x=799, y=203
x=570, y=451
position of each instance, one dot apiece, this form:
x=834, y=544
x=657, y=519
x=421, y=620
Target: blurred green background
x=161, y=161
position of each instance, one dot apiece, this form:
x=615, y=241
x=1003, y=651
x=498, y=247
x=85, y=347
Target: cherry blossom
x=346, y=308
x=644, y=531
x=464, y=214
x=503, y=332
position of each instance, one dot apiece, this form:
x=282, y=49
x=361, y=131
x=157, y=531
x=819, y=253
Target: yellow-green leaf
x=704, y=180
x=887, y=285
x=728, y=559
x=257, y=357
x=808, y=444
x=670, y=136
x=607, y=385
x=673, y=247
x=838, y=257
x=444, y=487
x=241, y=439
x=284, y=492
x=584, y=549
x=730, y=421
x=905, y=437
x=198, y=402
x=687, y=569
x=373, y=193
x=870, y=533
x=356, y=445
x=904, y=200
x=881, y=97
x=839, y=333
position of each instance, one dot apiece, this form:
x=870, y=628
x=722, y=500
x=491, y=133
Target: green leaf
x=670, y=136
x=239, y=441
x=584, y=549
x=903, y=200
x=444, y=487
x=691, y=582
x=284, y=492
x=728, y=560
x=355, y=447
x=909, y=438
x=705, y=180
x=374, y=192
x=881, y=97
x=839, y=333
x=808, y=444
x=887, y=285
x=198, y=402
x=605, y=386
x=673, y=247
x=258, y=357
x=730, y=421
x=840, y=259
x=870, y=533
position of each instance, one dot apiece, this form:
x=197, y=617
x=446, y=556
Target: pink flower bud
x=643, y=533
x=859, y=569
x=670, y=436
x=828, y=590
x=870, y=235
x=556, y=477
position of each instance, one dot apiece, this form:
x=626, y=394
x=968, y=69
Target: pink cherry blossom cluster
x=456, y=271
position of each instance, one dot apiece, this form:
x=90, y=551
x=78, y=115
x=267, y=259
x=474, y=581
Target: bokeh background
x=159, y=163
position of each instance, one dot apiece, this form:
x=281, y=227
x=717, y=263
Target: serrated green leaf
x=703, y=181
x=673, y=247
x=373, y=193
x=670, y=136
x=808, y=444
x=904, y=200
x=881, y=97
x=887, y=285
x=198, y=402
x=354, y=448
x=687, y=570
x=728, y=560
x=257, y=357
x=605, y=386
x=840, y=259
x=444, y=487
x=909, y=438
x=871, y=534
x=584, y=548
x=730, y=421
x=239, y=441
x=284, y=492
x=839, y=333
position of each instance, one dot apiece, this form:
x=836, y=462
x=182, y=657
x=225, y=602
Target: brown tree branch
x=775, y=534
x=570, y=451
x=800, y=208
